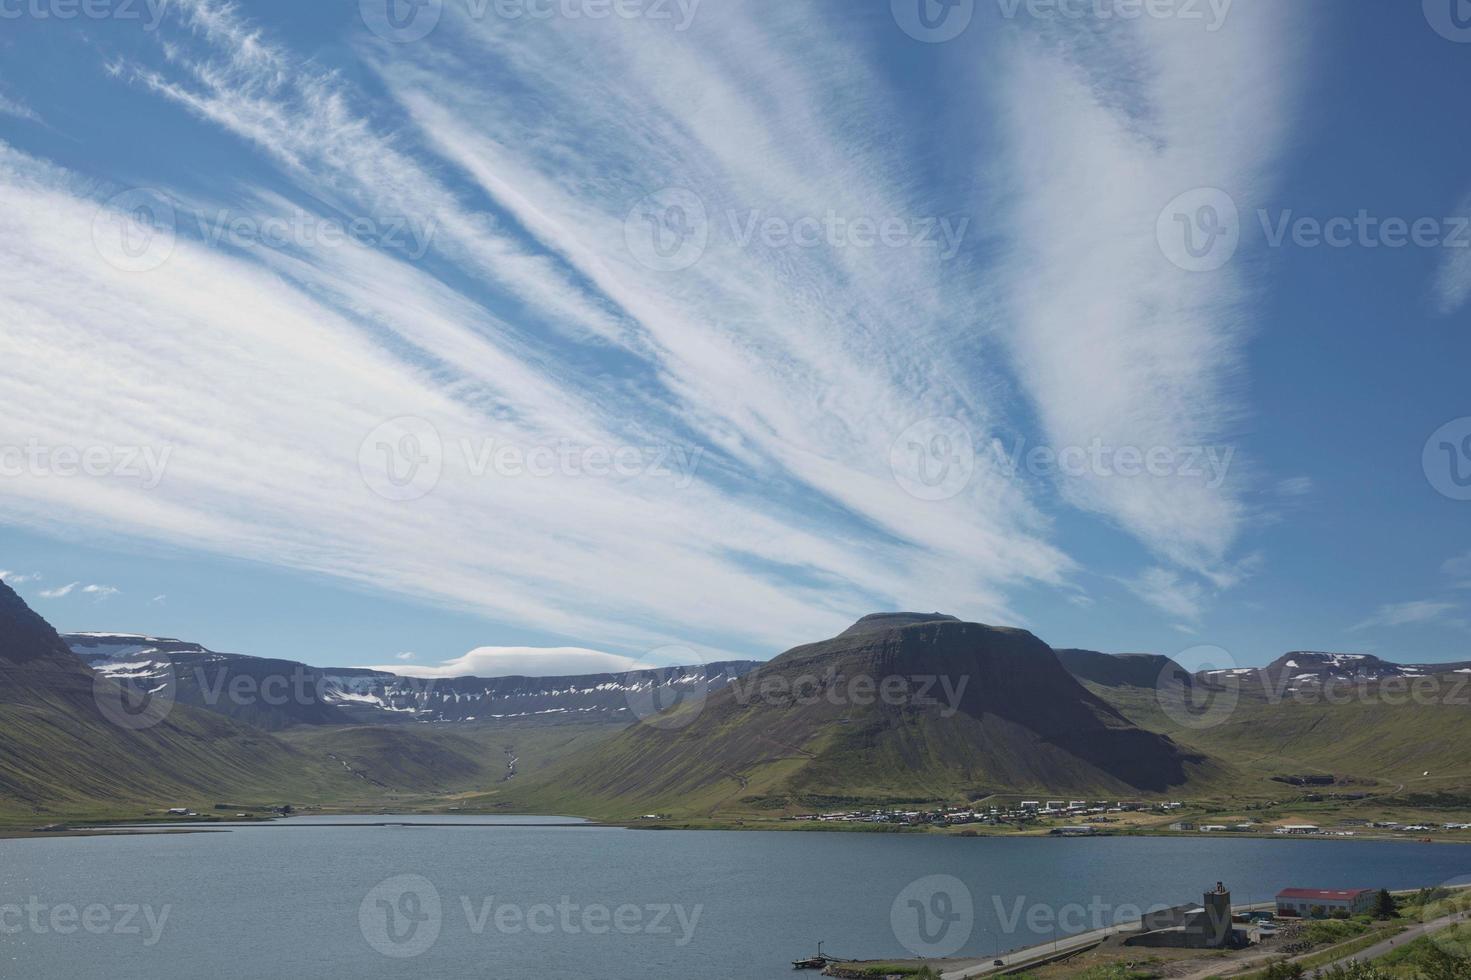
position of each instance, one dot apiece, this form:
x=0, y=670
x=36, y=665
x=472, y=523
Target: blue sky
x=701, y=329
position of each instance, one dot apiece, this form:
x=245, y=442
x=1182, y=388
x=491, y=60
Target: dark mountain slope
x=899, y=706
x=75, y=741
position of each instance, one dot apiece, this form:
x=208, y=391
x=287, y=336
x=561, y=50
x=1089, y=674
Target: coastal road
x=1044, y=951
x=1019, y=958
x=1384, y=948
x=1255, y=962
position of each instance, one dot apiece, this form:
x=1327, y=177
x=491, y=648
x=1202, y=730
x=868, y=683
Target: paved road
x=1384, y=948
x=1249, y=963
x=1068, y=944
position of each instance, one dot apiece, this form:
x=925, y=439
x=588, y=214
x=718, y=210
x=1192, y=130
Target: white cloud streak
x=1415, y=613
x=522, y=662
x=262, y=370
x=1105, y=127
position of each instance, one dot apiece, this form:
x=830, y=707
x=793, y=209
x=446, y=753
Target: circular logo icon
x=934, y=459
x=401, y=21
x=1447, y=459
x=668, y=697
x=402, y=459
x=668, y=231
x=135, y=231
x=933, y=917
x=1200, y=688
x=1450, y=18
x=401, y=917
x=1448, y=913
x=933, y=21
x=1200, y=230
x=137, y=701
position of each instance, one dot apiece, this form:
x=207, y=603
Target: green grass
x=1415, y=957
x=1323, y=957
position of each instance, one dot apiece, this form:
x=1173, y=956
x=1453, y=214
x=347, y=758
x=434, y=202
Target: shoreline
x=92, y=827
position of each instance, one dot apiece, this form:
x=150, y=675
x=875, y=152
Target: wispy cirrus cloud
x=1459, y=569
x=1170, y=592
x=529, y=321
x=1452, y=286
x=18, y=110
x=60, y=592
x=1105, y=124
x=522, y=662
x=1414, y=613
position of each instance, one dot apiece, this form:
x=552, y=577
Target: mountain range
x=279, y=694
x=900, y=707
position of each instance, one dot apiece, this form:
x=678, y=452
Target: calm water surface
x=303, y=899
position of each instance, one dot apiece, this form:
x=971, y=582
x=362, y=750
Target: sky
x=543, y=334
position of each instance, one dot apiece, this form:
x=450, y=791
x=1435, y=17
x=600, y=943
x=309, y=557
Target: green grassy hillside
x=977, y=710
x=1375, y=735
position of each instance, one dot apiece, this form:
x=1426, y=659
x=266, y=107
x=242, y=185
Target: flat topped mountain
x=1142, y=670
x=898, y=706
x=885, y=621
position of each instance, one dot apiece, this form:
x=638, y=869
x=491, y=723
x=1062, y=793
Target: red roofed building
x=1324, y=901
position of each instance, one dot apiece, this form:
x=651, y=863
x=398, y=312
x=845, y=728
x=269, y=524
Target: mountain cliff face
x=1142, y=670
x=281, y=694
x=897, y=706
x=74, y=740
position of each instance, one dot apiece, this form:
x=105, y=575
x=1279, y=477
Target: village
x=1086, y=818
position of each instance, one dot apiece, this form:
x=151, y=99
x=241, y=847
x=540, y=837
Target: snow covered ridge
x=1311, y=671
x=281, y=693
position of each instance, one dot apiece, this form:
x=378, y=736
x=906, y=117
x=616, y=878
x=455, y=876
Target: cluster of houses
x=1313, y=830
x=1010, y=813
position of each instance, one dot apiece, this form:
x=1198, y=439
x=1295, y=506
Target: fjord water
x=298, y=898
